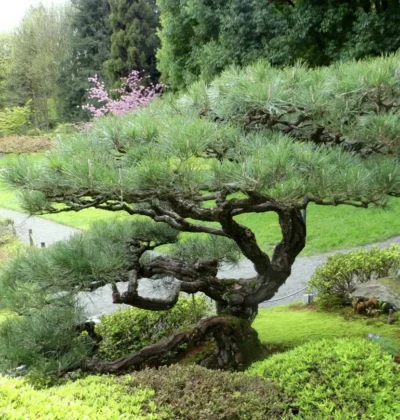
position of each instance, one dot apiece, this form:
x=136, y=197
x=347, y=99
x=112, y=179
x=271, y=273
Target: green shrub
x=14, y=120
x=195, y=393
x=334, y=280
x=95, y=397
x=182, y=393
x=340, y=379
x=129, y=330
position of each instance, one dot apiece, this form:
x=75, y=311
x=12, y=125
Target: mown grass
x=329, y=228
x=293, y=325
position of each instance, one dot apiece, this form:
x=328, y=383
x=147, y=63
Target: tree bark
x=237, y=346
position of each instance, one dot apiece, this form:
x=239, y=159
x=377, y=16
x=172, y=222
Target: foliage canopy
x=200, y=38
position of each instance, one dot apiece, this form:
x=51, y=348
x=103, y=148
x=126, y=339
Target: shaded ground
x=99, y=302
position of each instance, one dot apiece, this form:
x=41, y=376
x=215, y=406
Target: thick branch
x=174, y=220
x=293, y=239
x=247, y=243
x=178, y=269
x=132, y=297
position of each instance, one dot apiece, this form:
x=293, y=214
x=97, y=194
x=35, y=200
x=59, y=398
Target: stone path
x=99, y=302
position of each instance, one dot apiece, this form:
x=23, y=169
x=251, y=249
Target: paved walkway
x=43, y=230
x=99, y=302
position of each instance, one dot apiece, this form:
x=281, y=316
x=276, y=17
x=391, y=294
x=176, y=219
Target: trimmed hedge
x=337, y=379
x=182, y=393
x=196, y=393
x=328, y=379
x=93, y=397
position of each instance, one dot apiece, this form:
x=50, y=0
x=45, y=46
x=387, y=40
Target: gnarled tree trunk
x=237, y=346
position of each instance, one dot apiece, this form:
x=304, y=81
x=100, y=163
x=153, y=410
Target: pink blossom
x=132, y=95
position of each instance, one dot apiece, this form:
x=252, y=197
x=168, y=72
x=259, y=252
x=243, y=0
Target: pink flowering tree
x=131, y=95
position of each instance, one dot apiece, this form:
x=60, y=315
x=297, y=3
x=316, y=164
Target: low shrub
x=337, y=379
x=127, y=331
x=14, y=120
x=24, y=144
x=94, y=397
x=335, y=280
x=182, y=393
x=195, y=393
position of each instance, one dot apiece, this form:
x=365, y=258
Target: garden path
x=99, y=302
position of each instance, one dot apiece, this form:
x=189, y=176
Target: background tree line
x=45, y=64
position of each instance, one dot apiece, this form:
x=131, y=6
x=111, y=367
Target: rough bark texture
x=237, y=299
x=237, y=346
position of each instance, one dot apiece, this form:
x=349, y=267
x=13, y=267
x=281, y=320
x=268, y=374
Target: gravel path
x=99, y=302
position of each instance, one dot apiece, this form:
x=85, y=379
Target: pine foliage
x=254, y=140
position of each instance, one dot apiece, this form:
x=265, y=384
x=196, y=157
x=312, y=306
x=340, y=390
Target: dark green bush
x=334, y=280
x=195, y=393
x=129, y=330
x=339, y=379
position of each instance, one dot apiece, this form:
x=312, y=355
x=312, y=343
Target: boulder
x=385, y=290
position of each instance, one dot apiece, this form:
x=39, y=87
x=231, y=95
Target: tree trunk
x=237, y=346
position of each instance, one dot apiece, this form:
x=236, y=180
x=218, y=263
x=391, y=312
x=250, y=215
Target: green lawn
x=329, y=228
x=291, y=326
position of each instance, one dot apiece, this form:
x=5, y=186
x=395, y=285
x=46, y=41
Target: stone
x=385, y=290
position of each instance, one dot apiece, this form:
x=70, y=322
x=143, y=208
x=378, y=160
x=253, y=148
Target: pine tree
x=255, y=141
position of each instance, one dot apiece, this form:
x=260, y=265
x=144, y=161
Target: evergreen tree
x=90, y=48
x=134, y=40
x=259, y=140
x=199, y=38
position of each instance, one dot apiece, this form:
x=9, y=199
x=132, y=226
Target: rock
x=385, y=290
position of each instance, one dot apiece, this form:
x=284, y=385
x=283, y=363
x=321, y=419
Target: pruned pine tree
x=251, y=142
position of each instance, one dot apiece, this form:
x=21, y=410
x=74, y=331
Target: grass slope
x=293, y=325
x=329, y=228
